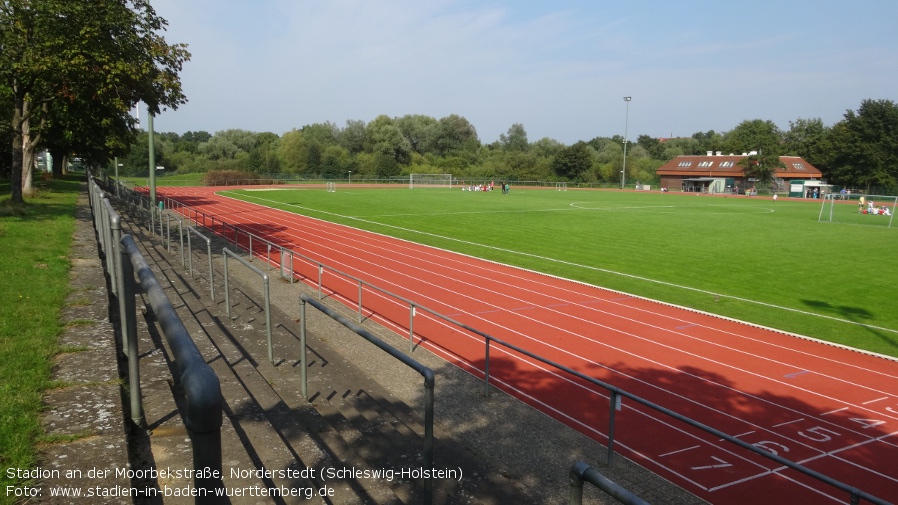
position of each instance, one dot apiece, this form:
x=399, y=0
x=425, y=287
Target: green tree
x=324, y=134
x=754, y=135
x=104, y=52
x=419, y=130
x=262, y=157
x=812, y=140
x=336, y=162
x=573, y=162
x=867, y=143
x=705, y=141
x=386, y=139
x=352, y=136
x=652, y=146
x=515, y=139
x=455, y=133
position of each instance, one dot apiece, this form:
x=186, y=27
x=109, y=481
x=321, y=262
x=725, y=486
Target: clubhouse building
x=719, y=173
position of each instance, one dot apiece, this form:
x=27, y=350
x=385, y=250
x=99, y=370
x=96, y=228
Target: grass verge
x=34, y=279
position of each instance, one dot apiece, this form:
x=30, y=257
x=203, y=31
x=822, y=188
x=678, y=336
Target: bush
x=236, y=178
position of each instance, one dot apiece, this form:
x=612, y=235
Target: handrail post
x=429, y=382
x=268, y=316
x=181, y=235
x=411, y=328
x=360, y=301
x=580, y=472
x=614, y=402
x=227, y=289
x=575, y=490
x=190, y=255
x=486, y=369
x=168, y=230
x=128, y=312
x=302, y=349
x=320, y=280
x=211, y=272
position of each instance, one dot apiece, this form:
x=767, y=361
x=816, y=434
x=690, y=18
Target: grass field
x=33, y=285
x=753, y=259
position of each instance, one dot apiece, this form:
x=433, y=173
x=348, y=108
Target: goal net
x=878, y=210
x=429, y=181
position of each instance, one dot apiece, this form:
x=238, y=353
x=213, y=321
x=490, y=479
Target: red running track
x=831, y=409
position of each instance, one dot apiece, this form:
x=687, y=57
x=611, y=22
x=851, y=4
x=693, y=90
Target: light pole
x=350, y=177
x=623, y=172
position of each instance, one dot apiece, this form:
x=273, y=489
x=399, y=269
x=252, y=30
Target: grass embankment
x=34, y=267
x=771, y=263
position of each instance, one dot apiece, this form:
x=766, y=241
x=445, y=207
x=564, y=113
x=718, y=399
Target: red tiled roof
x=728, y=166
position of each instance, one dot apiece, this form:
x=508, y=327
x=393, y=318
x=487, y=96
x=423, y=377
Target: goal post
x=876, y=210
x=429, y=181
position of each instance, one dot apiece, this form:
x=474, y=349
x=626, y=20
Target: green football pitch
x=754, y=259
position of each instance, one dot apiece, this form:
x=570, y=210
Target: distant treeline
x=857, y=152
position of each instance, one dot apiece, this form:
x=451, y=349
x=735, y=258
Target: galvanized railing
x=425, y=372
x=202, y=390
x=581, y=472
x=225, y=253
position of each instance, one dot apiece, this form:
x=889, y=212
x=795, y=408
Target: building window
x=798, y=166
x=726, y=164
x=685, y=163
x=706, y=164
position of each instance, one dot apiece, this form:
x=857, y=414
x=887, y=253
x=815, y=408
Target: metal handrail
x=424, y=371
x=227, y=252
x=581, y=472
x=202, y=390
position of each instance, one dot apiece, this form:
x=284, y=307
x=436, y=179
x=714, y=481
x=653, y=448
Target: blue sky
x=561, y=68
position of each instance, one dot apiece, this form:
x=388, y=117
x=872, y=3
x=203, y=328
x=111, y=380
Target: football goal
x=876, y=210
x=429, y=181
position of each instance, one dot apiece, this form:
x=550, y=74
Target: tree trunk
x=15, y=173
x=27, y=155
x=58, y=163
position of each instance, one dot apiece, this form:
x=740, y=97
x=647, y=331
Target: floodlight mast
x=623, y=172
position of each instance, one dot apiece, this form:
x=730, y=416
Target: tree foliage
x=573, y=162
x=67, y=64
x=866, y=143
x=515, y=139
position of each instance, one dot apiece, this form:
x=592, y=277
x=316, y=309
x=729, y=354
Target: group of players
x=485, y=187
x=872, y=209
